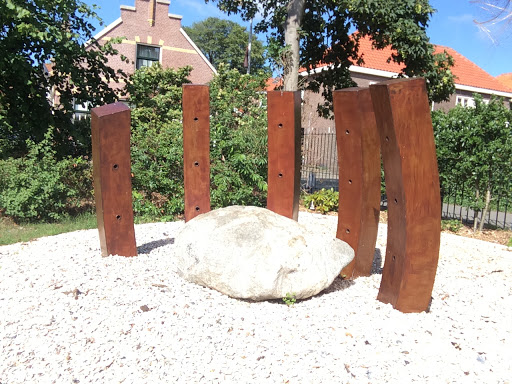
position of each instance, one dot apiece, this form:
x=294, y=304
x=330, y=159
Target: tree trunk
x=486, y=209
x=295, y=12
x=475, y=213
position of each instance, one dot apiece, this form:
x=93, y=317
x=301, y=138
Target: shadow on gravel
x=377, y=263
x=148, y=247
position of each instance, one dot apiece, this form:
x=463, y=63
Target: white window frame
x=465, y=101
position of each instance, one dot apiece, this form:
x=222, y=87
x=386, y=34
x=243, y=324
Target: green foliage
x=35, y=32
x=325, y=37
x=325, y=200
x=451, y=225
x=289, y=299
x=157, y=141
x=509, y=242
x=474, y=147
x=238, y=139
x=224, y=41
x=40, y=187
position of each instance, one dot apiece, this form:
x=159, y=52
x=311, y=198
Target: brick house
x=470, y=79
x=152, y=34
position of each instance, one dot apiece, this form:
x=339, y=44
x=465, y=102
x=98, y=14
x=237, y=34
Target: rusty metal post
x=284, y=153
x=412, y=187
x=110, y=125
x=358, y=147
x=196, y=149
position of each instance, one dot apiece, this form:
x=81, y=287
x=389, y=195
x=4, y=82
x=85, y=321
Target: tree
x=224, y=41
x=38, y=32
x=307, y=33
x=474, y=147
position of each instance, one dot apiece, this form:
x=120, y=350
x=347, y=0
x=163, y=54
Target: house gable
x=149, y=23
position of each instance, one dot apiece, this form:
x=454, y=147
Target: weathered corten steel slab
x=110, y=126
x=196, y=149
x=284, y=153
x=358, y=145
x=412, y=187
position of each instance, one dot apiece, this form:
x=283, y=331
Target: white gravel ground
x=70, y=316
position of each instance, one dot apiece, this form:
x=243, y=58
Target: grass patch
x=11, y=233
x=510, y=242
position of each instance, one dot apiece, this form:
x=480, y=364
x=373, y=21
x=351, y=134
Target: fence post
x=359, y=176
x=110, y=131
x=196, y=149
x=284, y=153
x=412, y=187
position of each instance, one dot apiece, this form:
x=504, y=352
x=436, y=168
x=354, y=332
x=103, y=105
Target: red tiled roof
x=470, y=74
x=377, y=58
x=466, y=72
x=271, y=84
x=505, y=79
x=49, y=67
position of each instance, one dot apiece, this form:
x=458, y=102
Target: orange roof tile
x=470, y=74
x=466, y=72
x=505, y=79
x=377, y=58
x=49, y=67
x=271, y=84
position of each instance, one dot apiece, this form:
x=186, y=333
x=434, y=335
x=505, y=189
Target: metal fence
x=319, y=162
x=320, y=170
x=457, y=202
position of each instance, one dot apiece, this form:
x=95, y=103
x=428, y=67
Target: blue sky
x=452, y=26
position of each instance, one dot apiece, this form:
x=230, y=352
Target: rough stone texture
x=253, y=253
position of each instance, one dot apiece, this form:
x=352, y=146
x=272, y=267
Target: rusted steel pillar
x=196, y=149
x=412, y=187
x=110, y=125
x=358, y=147
x=284, y=153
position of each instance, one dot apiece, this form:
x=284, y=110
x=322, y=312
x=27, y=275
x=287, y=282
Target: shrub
x=325, y=200
x=238, y=134
x=238, y=140
x=40, y=187
x=157, y=141
x=451, y=225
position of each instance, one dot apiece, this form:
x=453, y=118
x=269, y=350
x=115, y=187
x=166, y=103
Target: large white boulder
x=253, y=253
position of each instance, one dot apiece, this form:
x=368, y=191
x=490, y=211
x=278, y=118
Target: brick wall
x=140, y=25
